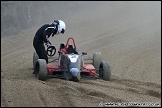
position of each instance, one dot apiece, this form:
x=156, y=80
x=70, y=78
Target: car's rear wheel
x=97, y=60
x=35, y=58
x=105, y=71
x=41, y=69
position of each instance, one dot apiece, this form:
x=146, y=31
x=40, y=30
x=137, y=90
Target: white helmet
x=61, y=26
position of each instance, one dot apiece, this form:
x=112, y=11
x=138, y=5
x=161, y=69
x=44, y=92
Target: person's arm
x=47, y=32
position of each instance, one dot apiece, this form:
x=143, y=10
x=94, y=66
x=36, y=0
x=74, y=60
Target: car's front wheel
x=105, y=71
x=41, y=69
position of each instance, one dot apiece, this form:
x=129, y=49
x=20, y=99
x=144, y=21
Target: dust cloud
x=21, y=15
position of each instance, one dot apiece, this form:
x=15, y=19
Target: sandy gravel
x=128, y=34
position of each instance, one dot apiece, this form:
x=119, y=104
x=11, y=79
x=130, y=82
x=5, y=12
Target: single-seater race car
x=70, y=64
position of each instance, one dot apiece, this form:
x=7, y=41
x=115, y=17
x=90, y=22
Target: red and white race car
x=70, y=64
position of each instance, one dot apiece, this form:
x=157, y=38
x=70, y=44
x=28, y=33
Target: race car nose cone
x=74, y=71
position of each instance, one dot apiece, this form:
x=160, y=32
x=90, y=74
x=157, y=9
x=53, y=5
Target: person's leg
x=40, y=49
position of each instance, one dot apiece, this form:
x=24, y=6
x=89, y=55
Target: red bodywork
x=54, y=68
x=88, y=69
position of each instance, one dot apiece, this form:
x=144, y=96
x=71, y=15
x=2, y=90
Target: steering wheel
x=51, y=50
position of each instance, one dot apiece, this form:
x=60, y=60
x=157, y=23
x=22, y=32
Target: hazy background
x=20, y=15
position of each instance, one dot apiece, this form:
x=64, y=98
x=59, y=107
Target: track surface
x=128, y=34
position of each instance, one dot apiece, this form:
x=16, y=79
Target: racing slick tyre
x=97, y=60
x=41, y=69
x=35, y=58
x=105, y=71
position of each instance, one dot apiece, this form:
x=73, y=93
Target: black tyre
x=41, y=69
x=35, y=58
x=105, y=71
x=96, y=61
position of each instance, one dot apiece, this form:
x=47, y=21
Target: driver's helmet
x=60, y=26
